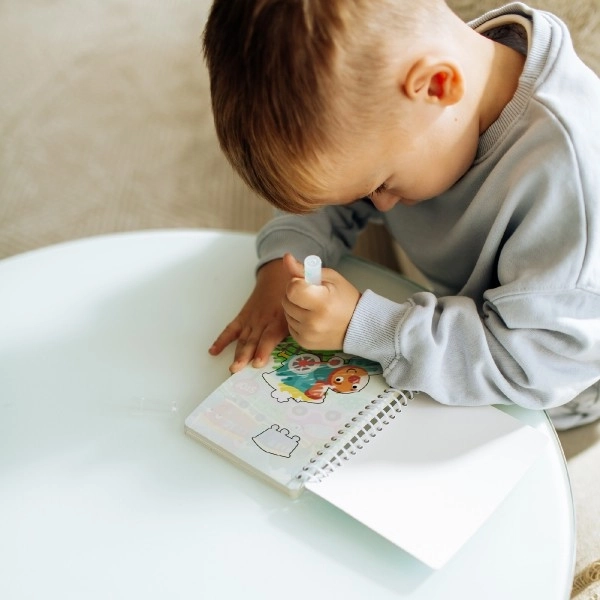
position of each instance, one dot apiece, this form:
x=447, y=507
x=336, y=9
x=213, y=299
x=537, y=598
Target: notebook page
x=432, y=476
x=273, y=420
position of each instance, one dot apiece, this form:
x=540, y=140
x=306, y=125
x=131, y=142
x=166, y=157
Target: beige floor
x=105, y=126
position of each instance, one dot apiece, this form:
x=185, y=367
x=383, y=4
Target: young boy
x=478, y=145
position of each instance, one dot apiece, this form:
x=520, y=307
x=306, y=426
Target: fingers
x=318, y=315
x=294, y=267
x=266, y=345
x=255, y=341
x=244, y=352
x=257, y=346
x=304, y=296
x=260, y=325
x=280, y=303
x=228, y=335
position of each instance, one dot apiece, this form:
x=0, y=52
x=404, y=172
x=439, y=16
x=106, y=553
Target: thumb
x=295, y=268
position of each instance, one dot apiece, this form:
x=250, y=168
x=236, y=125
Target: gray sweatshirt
x=512, y=249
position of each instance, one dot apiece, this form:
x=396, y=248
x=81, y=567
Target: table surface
x=103, y=353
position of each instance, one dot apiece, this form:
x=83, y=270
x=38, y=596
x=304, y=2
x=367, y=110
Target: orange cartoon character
x=307, y=377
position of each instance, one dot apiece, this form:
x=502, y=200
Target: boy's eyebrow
x=351, y=200
x=342, y=201
x=329, y=199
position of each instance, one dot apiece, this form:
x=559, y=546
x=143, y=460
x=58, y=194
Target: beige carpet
x=105, y=126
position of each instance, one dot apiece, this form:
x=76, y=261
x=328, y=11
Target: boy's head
x=295, y=83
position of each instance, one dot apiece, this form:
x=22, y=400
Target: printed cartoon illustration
x=308, y=377
x=277, y=440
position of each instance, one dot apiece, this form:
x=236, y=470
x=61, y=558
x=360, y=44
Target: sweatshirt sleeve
x=329, y=232
x=518, y=351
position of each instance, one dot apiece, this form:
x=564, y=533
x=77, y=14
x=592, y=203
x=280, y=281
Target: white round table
x=103, y=353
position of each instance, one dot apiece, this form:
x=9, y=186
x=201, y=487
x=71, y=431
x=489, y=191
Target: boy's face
x=404, y=163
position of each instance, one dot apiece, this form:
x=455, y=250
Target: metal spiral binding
x=367, y=423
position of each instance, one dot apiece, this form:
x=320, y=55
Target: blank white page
x=431, y=477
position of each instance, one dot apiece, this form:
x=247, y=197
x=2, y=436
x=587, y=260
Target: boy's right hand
x=261, y=324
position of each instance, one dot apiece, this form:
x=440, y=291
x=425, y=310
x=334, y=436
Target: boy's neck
x=503, y=68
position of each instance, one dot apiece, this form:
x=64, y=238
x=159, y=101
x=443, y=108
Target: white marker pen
x=312, y=270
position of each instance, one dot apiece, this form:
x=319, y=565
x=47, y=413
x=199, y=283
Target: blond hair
x=277, y=72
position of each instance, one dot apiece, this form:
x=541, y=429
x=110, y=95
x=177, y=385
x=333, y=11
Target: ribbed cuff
x=372, y=332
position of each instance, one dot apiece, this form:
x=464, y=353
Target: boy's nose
x=384, y=201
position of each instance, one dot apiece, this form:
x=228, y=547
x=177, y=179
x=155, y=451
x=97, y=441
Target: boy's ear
x=435, y=81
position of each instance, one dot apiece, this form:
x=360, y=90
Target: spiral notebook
x=423, y=475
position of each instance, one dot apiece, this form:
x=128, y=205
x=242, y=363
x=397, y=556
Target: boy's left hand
x=318, y=315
